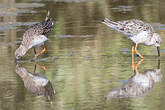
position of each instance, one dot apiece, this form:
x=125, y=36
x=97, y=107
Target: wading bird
x=35, y=35
x=137, y=31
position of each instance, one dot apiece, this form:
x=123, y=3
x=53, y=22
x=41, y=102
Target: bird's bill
x=158, y=49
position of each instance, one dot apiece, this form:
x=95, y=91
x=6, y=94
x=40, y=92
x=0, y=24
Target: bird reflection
x=138, y=85
x=35, y=83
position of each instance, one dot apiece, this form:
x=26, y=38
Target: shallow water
x=88, y=65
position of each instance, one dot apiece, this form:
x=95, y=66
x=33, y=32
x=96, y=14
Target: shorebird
x=139, y=84
x=35, y=35
x=137, y=31
x=36, y=84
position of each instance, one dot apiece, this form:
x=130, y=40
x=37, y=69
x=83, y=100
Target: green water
x=85, y=60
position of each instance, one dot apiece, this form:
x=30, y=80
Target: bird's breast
x=141, y=37
x=38, y=41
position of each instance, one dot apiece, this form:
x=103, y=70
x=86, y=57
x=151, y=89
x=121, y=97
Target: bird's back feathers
x=129, y=27
x=36, y=30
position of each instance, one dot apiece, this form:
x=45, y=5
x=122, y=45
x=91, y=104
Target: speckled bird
x=35, y=83
x=139, y=84
x=35, y=35
x=138, y=31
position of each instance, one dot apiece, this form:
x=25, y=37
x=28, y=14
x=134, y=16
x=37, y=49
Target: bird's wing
x=31, y=33
x=133, y=27
x=129, y=27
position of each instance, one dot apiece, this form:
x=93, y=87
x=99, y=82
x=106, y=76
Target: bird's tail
x=48, y=20
x=47, y=16
x=47, y=24
x=109, y=23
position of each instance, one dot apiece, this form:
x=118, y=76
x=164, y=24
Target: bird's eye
x=157, y=41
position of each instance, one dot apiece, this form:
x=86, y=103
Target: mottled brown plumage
x=35, y=35
x=35, y=83
x=137, y=31
x=137, y=85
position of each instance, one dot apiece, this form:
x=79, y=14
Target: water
x=88, y=65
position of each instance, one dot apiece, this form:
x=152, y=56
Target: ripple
x=28, y=5
x=123, y=8
x=13, y=25
x=72, y=36
x=15, y=9
x=162, y=50
x=75, y=1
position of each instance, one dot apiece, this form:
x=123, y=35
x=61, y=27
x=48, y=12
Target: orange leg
x=133, y=66
x=136, y=67
x=41, y=66
x=138, y=52
x=42, y=51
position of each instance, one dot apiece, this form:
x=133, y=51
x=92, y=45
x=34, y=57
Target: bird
x=35, y=35
x=139, y=84
x=35, y=83
x=137, y=31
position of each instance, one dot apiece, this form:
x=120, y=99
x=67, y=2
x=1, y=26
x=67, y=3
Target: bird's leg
x=41, y=66
x=133, y=66
x=158, y=49
x=138, y=52
x=136, y=67
x=35, y=67
x=42, y=51
x=34, y=51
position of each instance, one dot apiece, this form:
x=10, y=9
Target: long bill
x=158, y=49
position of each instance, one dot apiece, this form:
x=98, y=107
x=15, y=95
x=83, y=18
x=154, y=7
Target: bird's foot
x=42, y=51
x=43, y=67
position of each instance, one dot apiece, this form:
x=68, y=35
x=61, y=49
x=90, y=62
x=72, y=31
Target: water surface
x=86, y=62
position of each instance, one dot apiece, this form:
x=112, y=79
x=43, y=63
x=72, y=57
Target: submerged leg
x=34, y=50
x=158, y=49
x=133, y=66
x=138, y=52
x=35, y=67
x=136, y=67
x=41, y=66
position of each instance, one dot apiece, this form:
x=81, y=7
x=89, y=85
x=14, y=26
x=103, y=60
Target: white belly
x=38, y=41
x=142, y=37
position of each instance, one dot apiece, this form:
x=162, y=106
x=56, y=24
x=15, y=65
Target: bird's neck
x=23, y=49
x=21, y=71
x=150, y=41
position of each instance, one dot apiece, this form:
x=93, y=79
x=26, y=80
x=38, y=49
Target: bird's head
x=21, y=51
x=157, y=40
